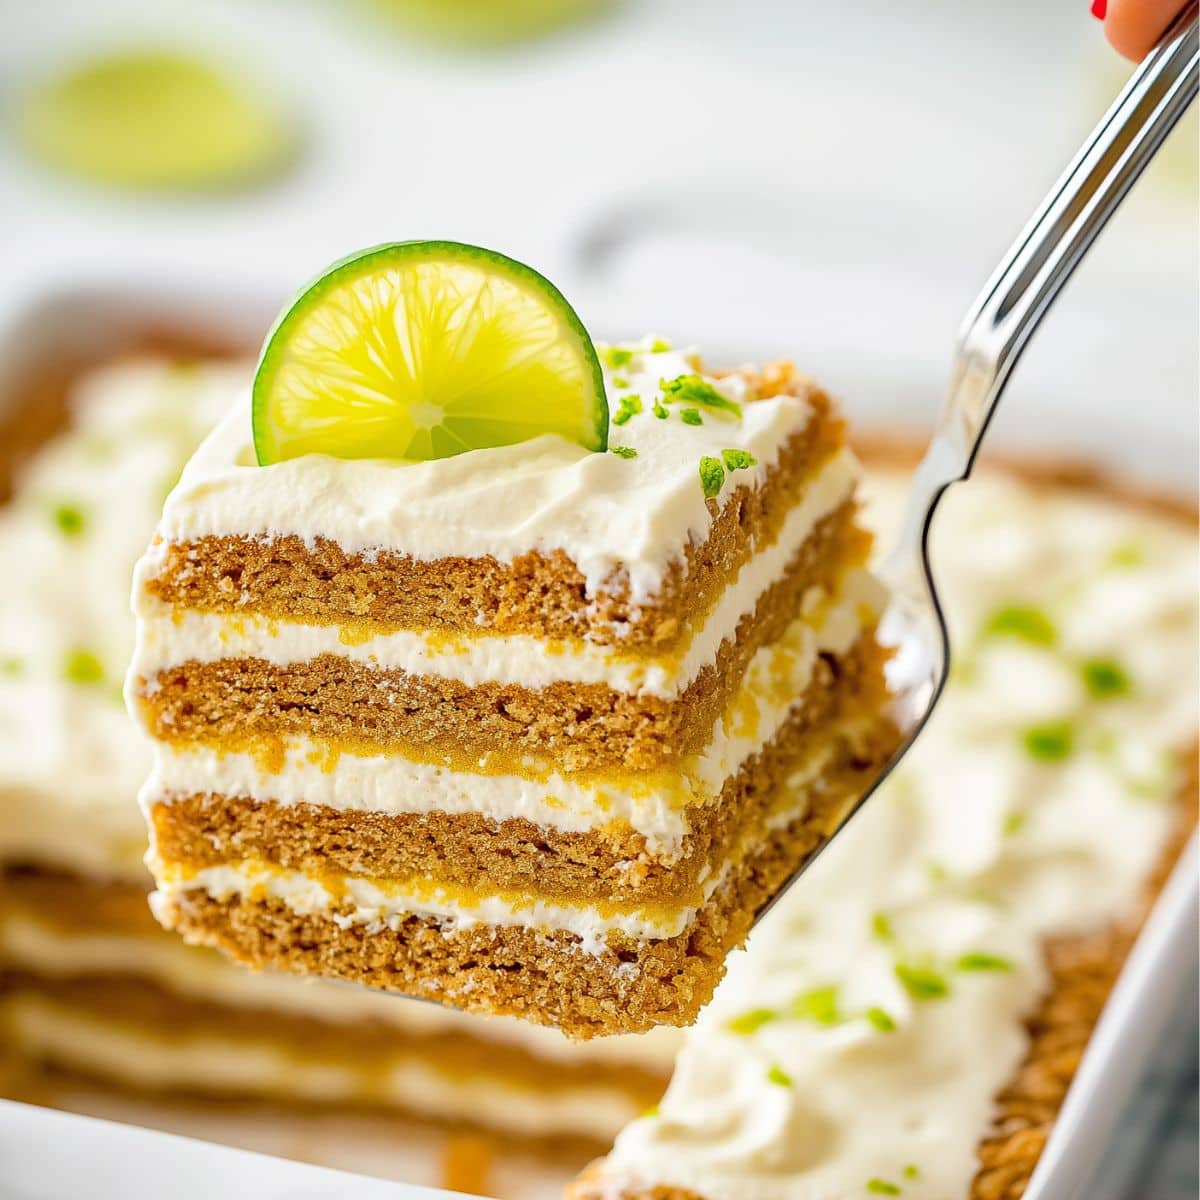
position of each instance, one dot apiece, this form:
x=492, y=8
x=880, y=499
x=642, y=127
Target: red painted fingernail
x=1099, y=9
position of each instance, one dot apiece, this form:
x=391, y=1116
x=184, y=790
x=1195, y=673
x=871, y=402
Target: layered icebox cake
x=531, y=729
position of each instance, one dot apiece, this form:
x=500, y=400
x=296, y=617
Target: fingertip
x=1134, y=26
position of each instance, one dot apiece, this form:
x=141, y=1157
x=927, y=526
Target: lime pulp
x=423, y=350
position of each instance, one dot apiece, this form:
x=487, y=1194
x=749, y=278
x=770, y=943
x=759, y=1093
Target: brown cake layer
x=75, y=903
x=613, y=863
x=244, y=702
x=543, y=595
x=363, y=1045
x=548, y=978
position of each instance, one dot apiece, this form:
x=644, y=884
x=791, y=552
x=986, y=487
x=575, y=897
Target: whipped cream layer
x=604, y=511
x=168, y=636
x=653, y=805
x=880, y=1003
x=200, y=974
x=82, y=510
x=379, y=904
x=113, y=1049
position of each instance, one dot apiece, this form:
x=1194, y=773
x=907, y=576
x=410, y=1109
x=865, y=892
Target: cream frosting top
x=604, y=510
x=876, y=1012
x=83, y=510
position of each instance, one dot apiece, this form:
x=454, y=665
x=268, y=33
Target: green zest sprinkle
x=936, y=872
x=738, y=460
x=691, y=389
x=881, y=927
x=70, y=519
x=627, y=406
x=819, y=1004
x=623, y=451
x=660, y=410
x=691, y=416
x=617, y=356
x=1050, y=743
x=922, y=983
x=10, y=668
x=1127, y=554
x=82, y=666
x=712, y=476
x=977, y=960
x=619, y=381
x=881, y=1019
x=659, y=346
x=1105, y=678
x=652, y=1111
x=1013, y=823
x=912, y=1171
x=881, y=1187
x=1021, y=621
x=751, y=1021
x=778, y=1075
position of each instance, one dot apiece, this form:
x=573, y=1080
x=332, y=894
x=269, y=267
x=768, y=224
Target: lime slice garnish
x=484, y=22
x=424, y=350
x=154, y=119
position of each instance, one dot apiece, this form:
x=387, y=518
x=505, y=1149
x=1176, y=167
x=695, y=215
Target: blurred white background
x=829, y=182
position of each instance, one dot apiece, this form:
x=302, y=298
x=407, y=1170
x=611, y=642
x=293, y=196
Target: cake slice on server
x=489, y=666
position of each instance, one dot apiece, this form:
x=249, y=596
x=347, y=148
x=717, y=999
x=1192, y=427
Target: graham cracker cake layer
x=549, y=978
x=365, y=1047
x=233, y=702
x=538, y=594
x=76, y=903
x=613, y=863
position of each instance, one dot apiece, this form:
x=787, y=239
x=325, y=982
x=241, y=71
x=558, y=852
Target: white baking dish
x=1157, y=981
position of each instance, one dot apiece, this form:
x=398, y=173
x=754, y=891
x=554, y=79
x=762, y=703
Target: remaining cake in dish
x=907, y=1022
x=534, y=729
x=95, y=998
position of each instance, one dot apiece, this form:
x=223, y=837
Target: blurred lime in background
x=156, y=120
x=484, y=22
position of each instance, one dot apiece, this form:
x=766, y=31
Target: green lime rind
x=155, y=120
x=418, y=325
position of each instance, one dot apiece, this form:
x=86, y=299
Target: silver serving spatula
x=996, y=330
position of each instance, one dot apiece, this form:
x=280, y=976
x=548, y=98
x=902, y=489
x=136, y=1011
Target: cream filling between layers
x=199, y=974
x=168, y=636
x=382, y=904
x=208, y=1062
x=350, y=900
x=655, y=807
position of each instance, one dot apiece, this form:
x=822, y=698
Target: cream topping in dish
x=69, y=763
x=856, y=1046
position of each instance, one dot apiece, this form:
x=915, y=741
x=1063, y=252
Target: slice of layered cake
x=103, y=1011
x=487, y=669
